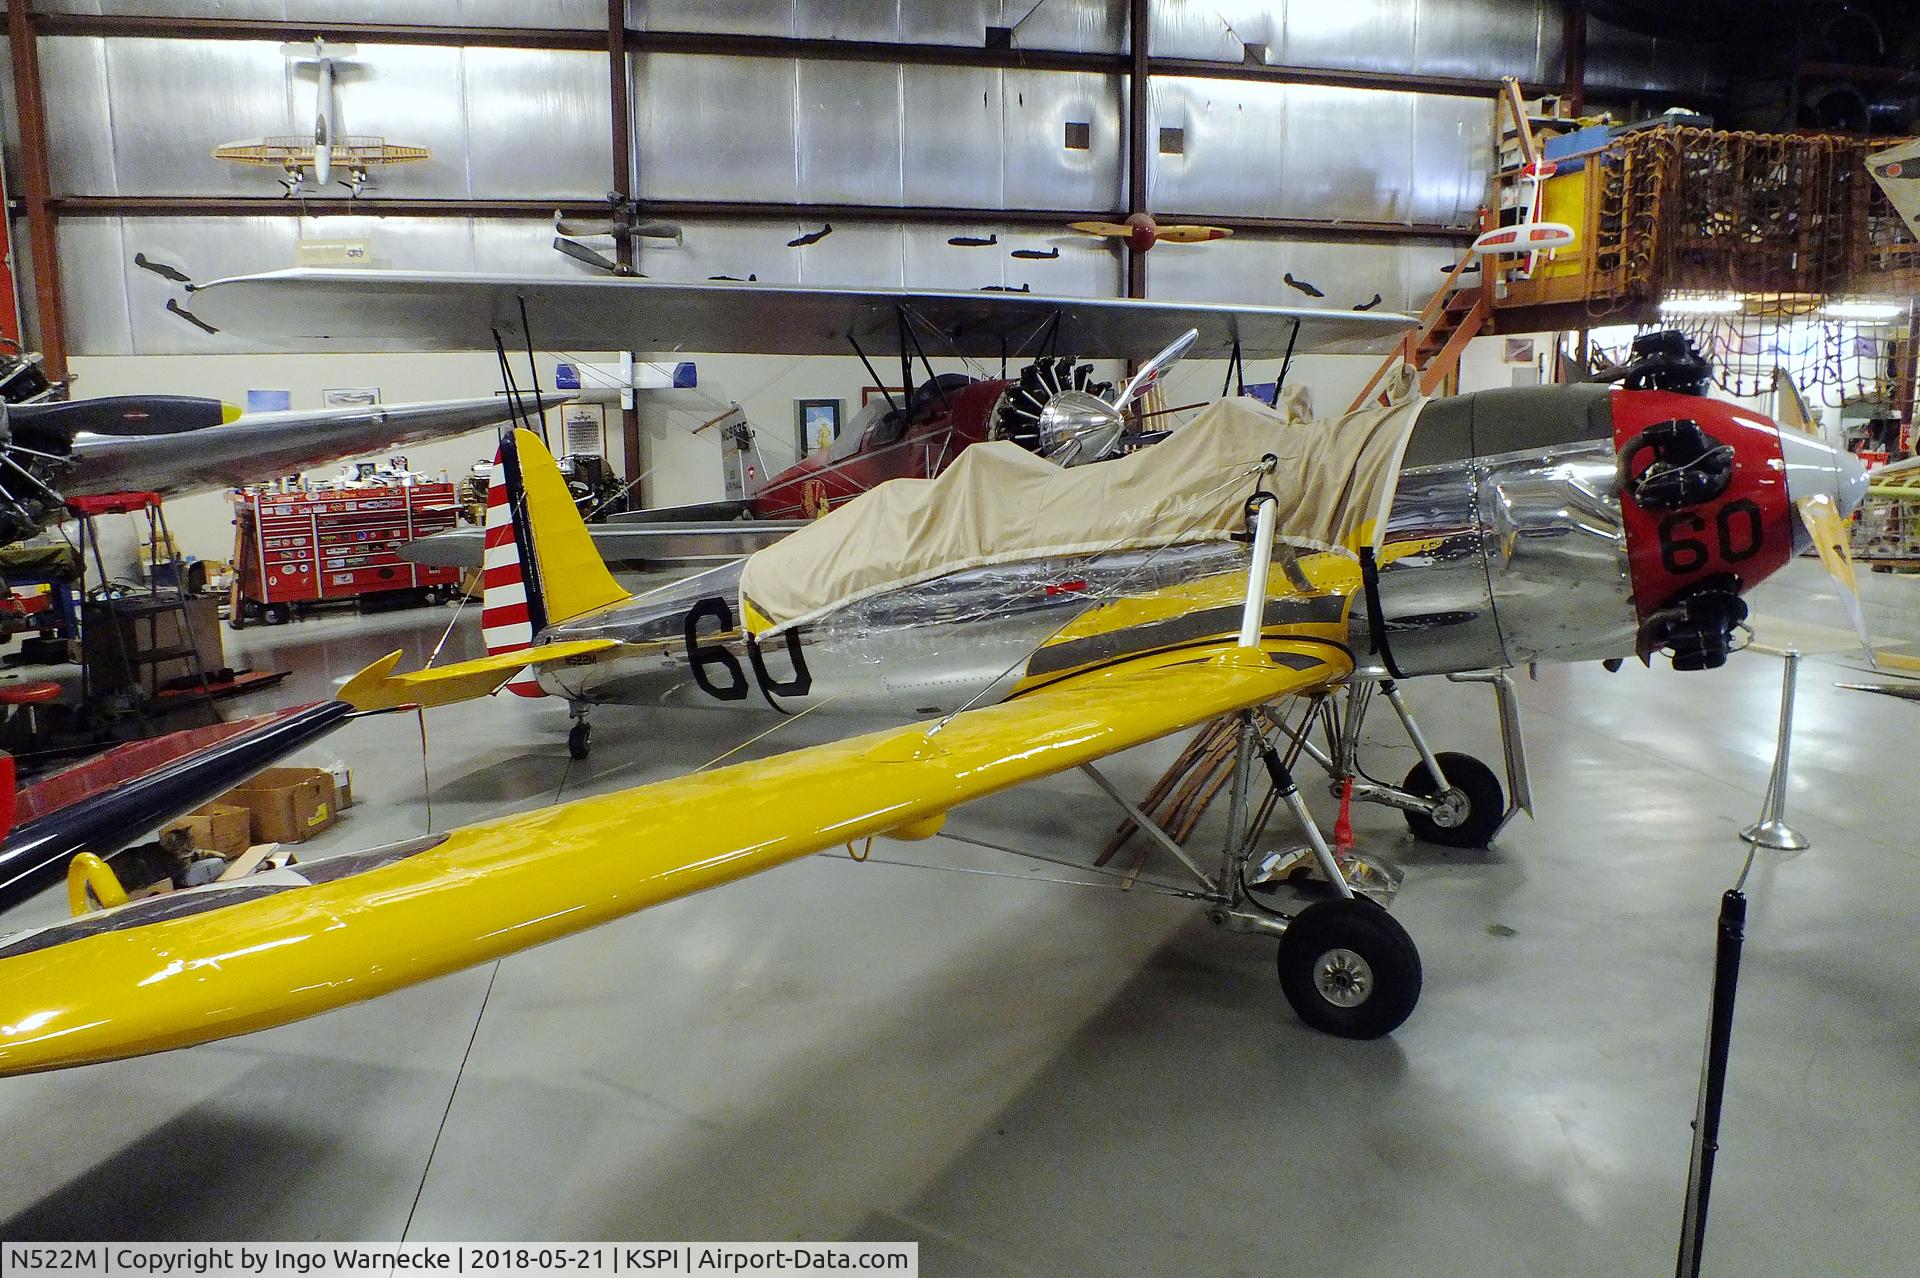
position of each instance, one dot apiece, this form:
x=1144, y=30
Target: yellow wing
x=160, y=974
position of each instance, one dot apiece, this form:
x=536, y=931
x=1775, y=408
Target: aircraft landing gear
x=1467, y=811
x=1348, y=968
x=580, y=737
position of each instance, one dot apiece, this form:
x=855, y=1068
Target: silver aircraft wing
x=356, y=310
x=260, y=446
x=617, y=543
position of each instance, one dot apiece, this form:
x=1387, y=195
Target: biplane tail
x=539, y=567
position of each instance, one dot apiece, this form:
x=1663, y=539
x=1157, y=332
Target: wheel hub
x=1450, y=810
x=1343, y=978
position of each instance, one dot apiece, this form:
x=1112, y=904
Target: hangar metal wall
x=1394, y=138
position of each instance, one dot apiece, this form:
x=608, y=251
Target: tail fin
x=540, y=566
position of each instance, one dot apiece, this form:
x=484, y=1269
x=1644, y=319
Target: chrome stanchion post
x=1772, y=830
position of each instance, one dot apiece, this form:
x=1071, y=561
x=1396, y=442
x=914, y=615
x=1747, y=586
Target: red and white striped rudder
x=506, y=619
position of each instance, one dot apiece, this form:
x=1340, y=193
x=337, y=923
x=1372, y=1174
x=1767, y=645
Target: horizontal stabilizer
x=378, y=688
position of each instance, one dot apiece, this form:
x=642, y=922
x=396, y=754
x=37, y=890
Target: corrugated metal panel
x=9, y=119
x=93, y=283
x=1623, y=59
x=73, y=70
x=720, y=17
x=1041, y=171
x=886, y=253
x=571, y=14
x=1211, y=29
x=945, y=21
x=23, y=283
x=856, y=254
x=1486, y=38
x=416, y=243
x=846, y=19
x=1234, y=146
x=735, y=248
x=173, y=101
x=537, y=123
x=1452, y=150
x=1363, y=35
x=519, y=246
x=849, y=145
x=1253, y=269
x=953, y=137
x=1258, y=149
x=94, y=279
x=1347, y=154
x=504, y=13
x=715, y=127
x=1078, y=26
x=410, y=94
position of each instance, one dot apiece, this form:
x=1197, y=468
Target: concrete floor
x=1031, y=1078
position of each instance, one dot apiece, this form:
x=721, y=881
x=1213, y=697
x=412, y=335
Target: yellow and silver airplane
x=1075, y=613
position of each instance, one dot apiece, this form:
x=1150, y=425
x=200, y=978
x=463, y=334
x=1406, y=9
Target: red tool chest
x=309, y=547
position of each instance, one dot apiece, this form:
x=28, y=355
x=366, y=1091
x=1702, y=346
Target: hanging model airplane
x=915, y=435
x=295, y=155
x=177, y=444
x=1073, y=613
x=1141, y=232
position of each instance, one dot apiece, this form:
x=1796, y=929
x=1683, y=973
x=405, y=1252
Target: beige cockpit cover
x=999, y=503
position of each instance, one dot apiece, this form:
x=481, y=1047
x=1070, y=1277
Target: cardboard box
x=288, y=805
x=225, y=828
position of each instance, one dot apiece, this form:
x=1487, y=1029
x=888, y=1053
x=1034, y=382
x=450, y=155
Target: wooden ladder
x=1452, y=317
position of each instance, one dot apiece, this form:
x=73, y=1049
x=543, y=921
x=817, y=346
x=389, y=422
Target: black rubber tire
x=1359, y=925
x=1486, y=802
x=278, y=614
x=580, y=740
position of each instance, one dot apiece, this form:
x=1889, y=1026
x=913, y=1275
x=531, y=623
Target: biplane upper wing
x=190, y=967
x=424, y=310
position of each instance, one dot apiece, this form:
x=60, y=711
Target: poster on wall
x=816, y=424
x=269, y=401
x=350, y=397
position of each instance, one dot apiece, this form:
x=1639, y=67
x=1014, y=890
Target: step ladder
x=137, y=665
x=1455, y=315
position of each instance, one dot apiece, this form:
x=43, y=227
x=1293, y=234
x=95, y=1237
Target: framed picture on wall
x=350, y=397
x=816, y=424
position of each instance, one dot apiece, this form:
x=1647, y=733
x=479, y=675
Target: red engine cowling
x=1705, y=505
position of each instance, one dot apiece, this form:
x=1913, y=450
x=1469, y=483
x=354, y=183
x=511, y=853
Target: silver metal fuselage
x=1511, y=556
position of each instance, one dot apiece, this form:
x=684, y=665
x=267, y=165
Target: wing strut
x=878, y=380
x=1236, y=373
x=1286, y=362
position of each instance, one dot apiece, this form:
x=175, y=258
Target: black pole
x=1286, y=363
x=1713, y=1082
x=533, y=370
x=878, y=381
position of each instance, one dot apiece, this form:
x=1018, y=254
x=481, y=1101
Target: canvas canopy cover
x=999, y=503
